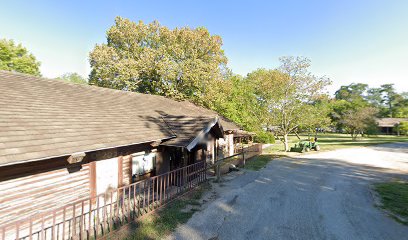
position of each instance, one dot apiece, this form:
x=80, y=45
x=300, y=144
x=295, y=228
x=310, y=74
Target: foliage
x=355, y=96
x=359, y=121
x=318, y=114
x=17, y=58
x=402, y=128
x=180, y=63
x=264, y=137
x=354, y=92
x=394, y=104
x=234, y=98
x=287, y=94
x=74, y=78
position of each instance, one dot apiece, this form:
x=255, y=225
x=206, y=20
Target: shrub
x=264, y=137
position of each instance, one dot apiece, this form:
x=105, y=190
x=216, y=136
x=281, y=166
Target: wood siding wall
x=25, y=196
x=127, y=170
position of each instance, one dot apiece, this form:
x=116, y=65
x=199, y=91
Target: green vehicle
x=305, y=146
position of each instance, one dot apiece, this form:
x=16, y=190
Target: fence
x=93, y=217
x=240, y=156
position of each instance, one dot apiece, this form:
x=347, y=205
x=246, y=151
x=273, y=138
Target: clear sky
x=347, y=40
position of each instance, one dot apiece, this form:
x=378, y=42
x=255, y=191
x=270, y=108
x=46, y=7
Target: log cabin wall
x=126, y=170
x=32, y=187
x=24, y=196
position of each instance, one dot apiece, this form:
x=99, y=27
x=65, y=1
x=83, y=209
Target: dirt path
x=318, y=196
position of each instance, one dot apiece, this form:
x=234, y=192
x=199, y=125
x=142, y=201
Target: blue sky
x=348, y=41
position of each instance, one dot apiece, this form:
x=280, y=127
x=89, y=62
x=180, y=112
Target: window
x=143, y=163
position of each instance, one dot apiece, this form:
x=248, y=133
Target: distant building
x=387, y=125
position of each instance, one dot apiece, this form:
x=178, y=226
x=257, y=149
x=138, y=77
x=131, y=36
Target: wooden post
x=120, y=171
x=205, y=169
x=217, y=166
x=92, y=179
x=243, y=152
x=218, y=172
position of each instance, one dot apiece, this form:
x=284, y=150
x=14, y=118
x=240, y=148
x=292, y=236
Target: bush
x=264, y=137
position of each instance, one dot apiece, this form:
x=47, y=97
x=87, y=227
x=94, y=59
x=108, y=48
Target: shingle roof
x=188, y=129
x=43, y=118
x=390, y=122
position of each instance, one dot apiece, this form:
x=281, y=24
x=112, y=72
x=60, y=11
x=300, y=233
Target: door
x=106, y=175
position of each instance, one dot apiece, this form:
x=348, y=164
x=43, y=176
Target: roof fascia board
x=86, y=151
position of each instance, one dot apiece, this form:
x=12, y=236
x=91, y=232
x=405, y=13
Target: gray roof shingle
x=42, y=118
x=390, y=122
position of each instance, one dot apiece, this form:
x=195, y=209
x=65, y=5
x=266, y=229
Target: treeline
x=190, y=64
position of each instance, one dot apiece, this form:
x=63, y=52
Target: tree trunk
x=354, y=135
x=285, y=142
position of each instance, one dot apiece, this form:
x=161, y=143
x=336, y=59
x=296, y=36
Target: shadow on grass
x=258, y=162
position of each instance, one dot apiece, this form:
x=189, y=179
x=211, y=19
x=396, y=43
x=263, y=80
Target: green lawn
x=332, y=141
x=328, y=141
x=394, y=198
x=258, y=162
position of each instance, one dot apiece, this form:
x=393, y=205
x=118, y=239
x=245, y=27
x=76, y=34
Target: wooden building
x=389, y=125
x=62, y=142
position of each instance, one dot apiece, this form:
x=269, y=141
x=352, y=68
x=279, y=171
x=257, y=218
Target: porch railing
x=94, y=217
x=253, y=148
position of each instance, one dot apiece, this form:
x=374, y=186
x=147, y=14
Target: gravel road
x=316, y=196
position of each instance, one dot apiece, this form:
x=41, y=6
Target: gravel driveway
x=316, y=196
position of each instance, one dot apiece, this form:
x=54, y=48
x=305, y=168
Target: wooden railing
x=240, y=156
x=95, y=217
x=253, y=148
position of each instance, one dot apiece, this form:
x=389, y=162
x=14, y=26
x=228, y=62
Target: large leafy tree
x=355, y=92
x=288, y=94
x=15, y=57
x=360, y=121
x=392, y=100
x=180, y=63
x=234, y=98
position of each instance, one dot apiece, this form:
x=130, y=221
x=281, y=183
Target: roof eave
x=85, y=151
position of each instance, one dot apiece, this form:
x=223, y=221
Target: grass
x=333, y=141
x=327, y=142
x=258, y=162
x=166, y=220
x=394, y=198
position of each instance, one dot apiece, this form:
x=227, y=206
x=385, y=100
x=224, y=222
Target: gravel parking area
x=316, y=196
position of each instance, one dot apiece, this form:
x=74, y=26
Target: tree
x=234, y=98
x=287, y=94
x=17, y=58
x=359, y=121
x=390, y=98
x=180, y=63
x=74, y=78
x=355, y=92
x=396, y=104
x=318, y=116
x=402, y=128
x=375, y=97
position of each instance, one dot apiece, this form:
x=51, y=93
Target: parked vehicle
x=306, y=146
